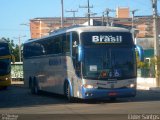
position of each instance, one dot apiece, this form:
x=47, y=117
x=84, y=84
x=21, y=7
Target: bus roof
x=82, y=28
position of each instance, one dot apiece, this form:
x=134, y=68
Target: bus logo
x=106, y=39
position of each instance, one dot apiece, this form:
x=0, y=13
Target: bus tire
x=68, y=92
x=34, y=87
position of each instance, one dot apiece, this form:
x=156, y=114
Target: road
x=19, y=100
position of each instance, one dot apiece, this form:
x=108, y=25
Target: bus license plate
x=112, y=94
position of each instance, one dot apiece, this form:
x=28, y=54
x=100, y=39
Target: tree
x=13, y=47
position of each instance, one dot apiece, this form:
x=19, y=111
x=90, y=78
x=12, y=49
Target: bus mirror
x=75, y=44
x=140, y=51
x=80, y=53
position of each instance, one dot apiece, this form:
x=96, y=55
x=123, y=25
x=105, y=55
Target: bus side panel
x=50, y=73
x=29, y=69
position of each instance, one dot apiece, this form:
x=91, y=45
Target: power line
x=73, y=11
x=89, y=12
x=107, y=11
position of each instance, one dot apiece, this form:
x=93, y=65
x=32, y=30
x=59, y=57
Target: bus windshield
x=109, y=62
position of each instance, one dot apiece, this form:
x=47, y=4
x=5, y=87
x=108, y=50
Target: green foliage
x=140, y=64
x=13, y=47
x=156, y=61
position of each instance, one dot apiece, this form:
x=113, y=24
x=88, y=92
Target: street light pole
x=133, y=13
x=88, y=14
x=156, y=42
x=133, y=30
x=62, y=14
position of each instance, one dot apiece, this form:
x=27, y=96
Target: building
x=122, y=12
x=42, y=26
x=143, y=24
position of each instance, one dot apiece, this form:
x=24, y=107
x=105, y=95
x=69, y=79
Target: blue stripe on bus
x=107, y=93
x=140, y=52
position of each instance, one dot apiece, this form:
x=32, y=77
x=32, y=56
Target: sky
x=14, y=13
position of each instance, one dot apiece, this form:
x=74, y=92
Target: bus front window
x=113, y=62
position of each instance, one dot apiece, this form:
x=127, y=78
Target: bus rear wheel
x=34, y=87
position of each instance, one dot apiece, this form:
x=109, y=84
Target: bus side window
x=76, y=63
x=66, y=44
x=54, y=45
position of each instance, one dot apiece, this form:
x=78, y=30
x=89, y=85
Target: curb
x=17, y=83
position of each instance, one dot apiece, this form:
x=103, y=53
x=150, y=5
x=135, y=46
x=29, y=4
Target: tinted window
x=34, y=49
x=54, y=45
x=66, y=43
x=116, y=62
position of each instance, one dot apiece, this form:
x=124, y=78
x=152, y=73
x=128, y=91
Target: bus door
x=75, y=52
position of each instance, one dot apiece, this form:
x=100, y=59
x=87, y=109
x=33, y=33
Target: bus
x=5, y=64
x=86, y=62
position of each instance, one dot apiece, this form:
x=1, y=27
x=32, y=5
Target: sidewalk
x=147, y=84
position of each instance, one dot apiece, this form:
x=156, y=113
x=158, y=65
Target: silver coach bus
x=87, y=62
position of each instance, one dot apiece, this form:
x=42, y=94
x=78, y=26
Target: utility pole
x=88, y=8
x=62, y=14
x=103, y=18
x=73, y=11
x=19, y=40
x=156, y=41
x=107, y=11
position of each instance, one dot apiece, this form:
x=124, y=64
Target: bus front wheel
x=68, y=92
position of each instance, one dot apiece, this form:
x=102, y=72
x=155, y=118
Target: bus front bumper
x=107, y=93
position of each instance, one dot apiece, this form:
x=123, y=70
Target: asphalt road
x=19, y=100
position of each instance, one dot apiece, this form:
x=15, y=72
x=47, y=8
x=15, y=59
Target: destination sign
x=106, y=39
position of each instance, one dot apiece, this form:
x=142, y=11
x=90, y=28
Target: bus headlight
x=132, y=85
x=89, y=86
